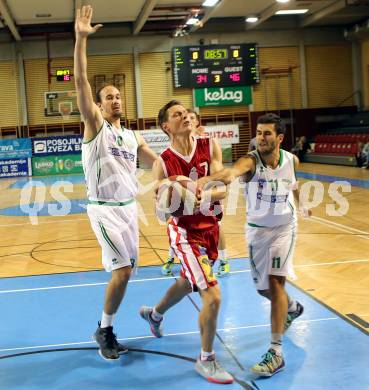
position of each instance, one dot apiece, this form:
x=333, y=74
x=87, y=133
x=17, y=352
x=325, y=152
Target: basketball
x=176, y=197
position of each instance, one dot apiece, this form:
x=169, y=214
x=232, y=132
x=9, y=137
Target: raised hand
x=82, y=24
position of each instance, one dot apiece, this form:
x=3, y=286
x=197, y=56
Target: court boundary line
x=334, y=311
x=165, y=335
x=339, y=226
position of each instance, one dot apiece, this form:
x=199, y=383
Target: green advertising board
x=232, y=96
x=56, y=165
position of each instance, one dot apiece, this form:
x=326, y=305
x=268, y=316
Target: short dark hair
x=98, y=92
x=279, y=125
x=192, y=111
x=163, y=113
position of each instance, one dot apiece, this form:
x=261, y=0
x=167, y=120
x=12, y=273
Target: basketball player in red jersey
x=194, y=238
x=223, y=268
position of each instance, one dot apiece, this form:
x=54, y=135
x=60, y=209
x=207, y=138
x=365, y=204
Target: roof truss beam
x=9, y=21
x=330, y=9
x=268, y=13
x=144, y=15
x=207, y=15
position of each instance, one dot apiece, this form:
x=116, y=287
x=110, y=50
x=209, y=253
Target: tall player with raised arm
x=109, y=154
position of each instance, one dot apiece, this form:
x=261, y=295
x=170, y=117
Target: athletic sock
x=106, y=320
x=171, y=253
x=156, y=316
x=276, y=343
x=222, y=255
x=292, y=304
x=207, y=355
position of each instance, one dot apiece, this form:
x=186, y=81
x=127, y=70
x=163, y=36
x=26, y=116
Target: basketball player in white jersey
x=271, y=228
x=223, y=268
x=109, y=154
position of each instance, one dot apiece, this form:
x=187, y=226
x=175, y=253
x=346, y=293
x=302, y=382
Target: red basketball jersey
x=194, y=166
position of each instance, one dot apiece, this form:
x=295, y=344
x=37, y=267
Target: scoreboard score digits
x=215, y=66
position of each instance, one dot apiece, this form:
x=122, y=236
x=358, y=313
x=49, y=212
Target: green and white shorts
x=116, y=228
x=271, y=253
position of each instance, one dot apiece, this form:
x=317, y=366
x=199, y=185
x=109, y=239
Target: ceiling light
x=283, y=1
x=192, y=21
x=291, y=11
x=209, y=3
x=252, y=19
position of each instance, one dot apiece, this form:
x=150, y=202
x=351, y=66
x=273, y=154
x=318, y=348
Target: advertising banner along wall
x=225, y=134
x=232, y=96
x=15, y=148
x=15, y=168
x=57, y=165
x=69, y=144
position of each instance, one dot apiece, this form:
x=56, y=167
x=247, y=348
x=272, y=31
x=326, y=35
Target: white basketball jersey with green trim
x=109, y=164
x=269, y=193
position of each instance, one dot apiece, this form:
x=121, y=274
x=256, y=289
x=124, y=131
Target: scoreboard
x=215, y=66
x=63, y=75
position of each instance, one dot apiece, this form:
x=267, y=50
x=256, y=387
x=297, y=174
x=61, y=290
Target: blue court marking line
x=47, y=180
x=330, y=179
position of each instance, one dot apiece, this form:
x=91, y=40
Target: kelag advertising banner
x=57, y=165
x=69, y=144
x=15, y=148
x=232, y=96
x=15, y=167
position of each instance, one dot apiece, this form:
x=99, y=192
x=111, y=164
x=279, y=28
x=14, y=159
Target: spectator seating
x=341, y=138
x=337, y=148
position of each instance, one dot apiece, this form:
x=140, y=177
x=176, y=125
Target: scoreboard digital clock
x=215, y=66
x=63, y=75
x=215, y=54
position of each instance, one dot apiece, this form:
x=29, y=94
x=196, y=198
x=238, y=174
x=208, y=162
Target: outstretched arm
x=92, y=116
x=217, y=157
x=242, y=166
x=144, y=151
x=158, y=174
x=218, y=191
x=306, y=213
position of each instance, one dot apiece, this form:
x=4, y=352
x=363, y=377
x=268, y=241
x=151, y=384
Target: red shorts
x=197, y=250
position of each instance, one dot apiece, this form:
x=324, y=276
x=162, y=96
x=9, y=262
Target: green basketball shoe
x=271, y=364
